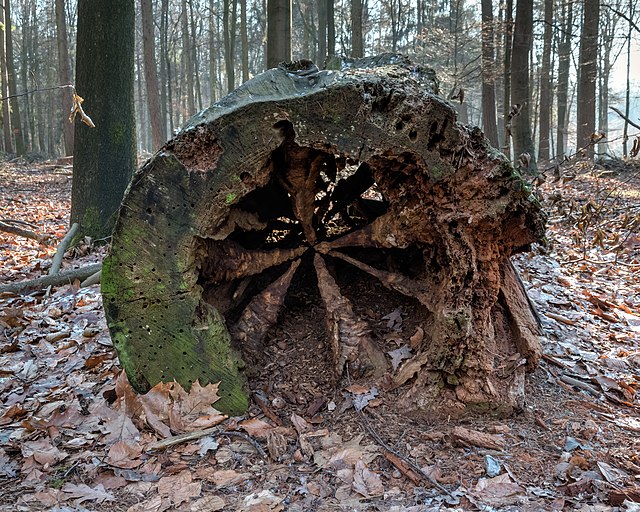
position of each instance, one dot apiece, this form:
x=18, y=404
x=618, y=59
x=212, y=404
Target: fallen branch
x=92, y=279
x=57, y=280
x=10, y=228
x=625, y=118
x=209, y=432
x=57, y=258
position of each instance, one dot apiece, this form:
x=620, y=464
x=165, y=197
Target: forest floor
x=74, y=436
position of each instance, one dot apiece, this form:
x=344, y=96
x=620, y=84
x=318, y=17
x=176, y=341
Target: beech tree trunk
x=489, y=122
x=545, y=84
x=356, y=188
x=586, y=102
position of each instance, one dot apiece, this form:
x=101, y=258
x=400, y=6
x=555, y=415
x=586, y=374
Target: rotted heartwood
x=313, y=179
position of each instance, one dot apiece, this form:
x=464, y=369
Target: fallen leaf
x=82, y=492
x=366, y=482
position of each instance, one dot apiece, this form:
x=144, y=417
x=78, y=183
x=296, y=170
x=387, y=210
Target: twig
x=59, y=279
x=44, y=89
x=399, y=460
x=57, y=258
x=625, y=118
x=208, y=432
x=579, y=384
x=9, y=228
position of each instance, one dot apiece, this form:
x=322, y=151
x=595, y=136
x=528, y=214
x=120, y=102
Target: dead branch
x=92, y=279
x=625, y=118
x=209, y=432
x=15, y=230
x=57, y=258
x=56, y=280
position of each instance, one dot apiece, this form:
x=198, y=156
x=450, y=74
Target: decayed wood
x=59, y=255
x=350, y=337
x=468, y=437
x=366, y=165
x=262, y=312
x=55, y=280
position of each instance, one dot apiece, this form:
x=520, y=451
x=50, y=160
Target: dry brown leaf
x=124, y=455
x=179, y=488
x=366, y=482
x=82, y=492
x=256, y=427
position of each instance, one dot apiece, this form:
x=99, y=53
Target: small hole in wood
x=413, y=135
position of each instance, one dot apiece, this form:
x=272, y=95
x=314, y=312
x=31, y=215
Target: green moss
x=231, y=197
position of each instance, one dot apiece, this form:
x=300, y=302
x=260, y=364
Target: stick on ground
x=57, y=258
x=57, y=280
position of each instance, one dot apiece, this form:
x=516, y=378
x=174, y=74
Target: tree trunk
x=564, y=64
x=278, y=32
x=587, y=71
x=164, y=57
x=322, y=32
x=244, y=36
x=520, y=93
x=6, y=118
x=250, y=213
x=331, y=29
x=508, y=46
x=488, y=75
x=150, y=74
x=187, y=57
x=357, y=41
x=545, y=84
x=14, y=103
x=104, y=156
x=64, y=72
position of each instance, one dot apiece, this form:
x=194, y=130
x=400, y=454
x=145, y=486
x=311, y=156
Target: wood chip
x=467, y=437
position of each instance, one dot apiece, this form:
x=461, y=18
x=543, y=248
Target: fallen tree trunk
x=303, y=179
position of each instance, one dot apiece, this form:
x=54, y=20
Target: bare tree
x=64, y=71
x=151, y=74
x=488, y=75
x=587, y=72
x=357, y=42
x=14, y=104
x=545, y=83
x=278, y=32
x=564, y=64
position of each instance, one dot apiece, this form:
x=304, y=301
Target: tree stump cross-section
x=318, y=180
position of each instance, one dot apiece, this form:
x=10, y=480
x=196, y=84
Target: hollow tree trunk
x=341, y=184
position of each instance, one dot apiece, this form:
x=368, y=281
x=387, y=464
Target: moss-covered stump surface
x=325, y=187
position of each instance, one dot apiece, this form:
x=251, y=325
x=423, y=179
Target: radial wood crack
x=379, y=197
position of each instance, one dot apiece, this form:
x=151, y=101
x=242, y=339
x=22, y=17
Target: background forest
x=198, y=50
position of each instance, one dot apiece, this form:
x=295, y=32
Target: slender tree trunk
x=488, y=75
x=564, y=63
x=14, y=104
x=213, y=73
x=187, y=57
x=6, y=118
x=104, y=156
x=278, y=32
x=520, y=92
x=64, y=72
x=151, y=75
x=164, y=57
x=357, y=41
x=627, y=105
x=586, y=104
x=322, y=32
x=244, y=40
x=194, y=57
x=545, y=83
x=331, y=29
x=229, y=29
x=508, y=46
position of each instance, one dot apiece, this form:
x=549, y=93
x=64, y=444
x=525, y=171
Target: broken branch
x=57, y=259
x=56, y=280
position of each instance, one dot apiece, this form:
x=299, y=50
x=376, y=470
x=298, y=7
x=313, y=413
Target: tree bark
x=150, y=74
x=244, y=40
x=564, y=63
x=187, y=57
x=587, y=72
x=508, y=46
x=104, y=156
x=278, y=32
x=6, y=118
x=520, y=92
x=545, y=84
x=14, y=104
x=489, y=123
x=357, y=41
x=266, y=195
x=64, y=72
x=322, y=32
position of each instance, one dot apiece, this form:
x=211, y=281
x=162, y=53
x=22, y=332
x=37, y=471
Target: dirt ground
x=74, y=436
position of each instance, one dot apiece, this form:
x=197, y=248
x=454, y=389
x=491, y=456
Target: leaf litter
x=76, y=437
